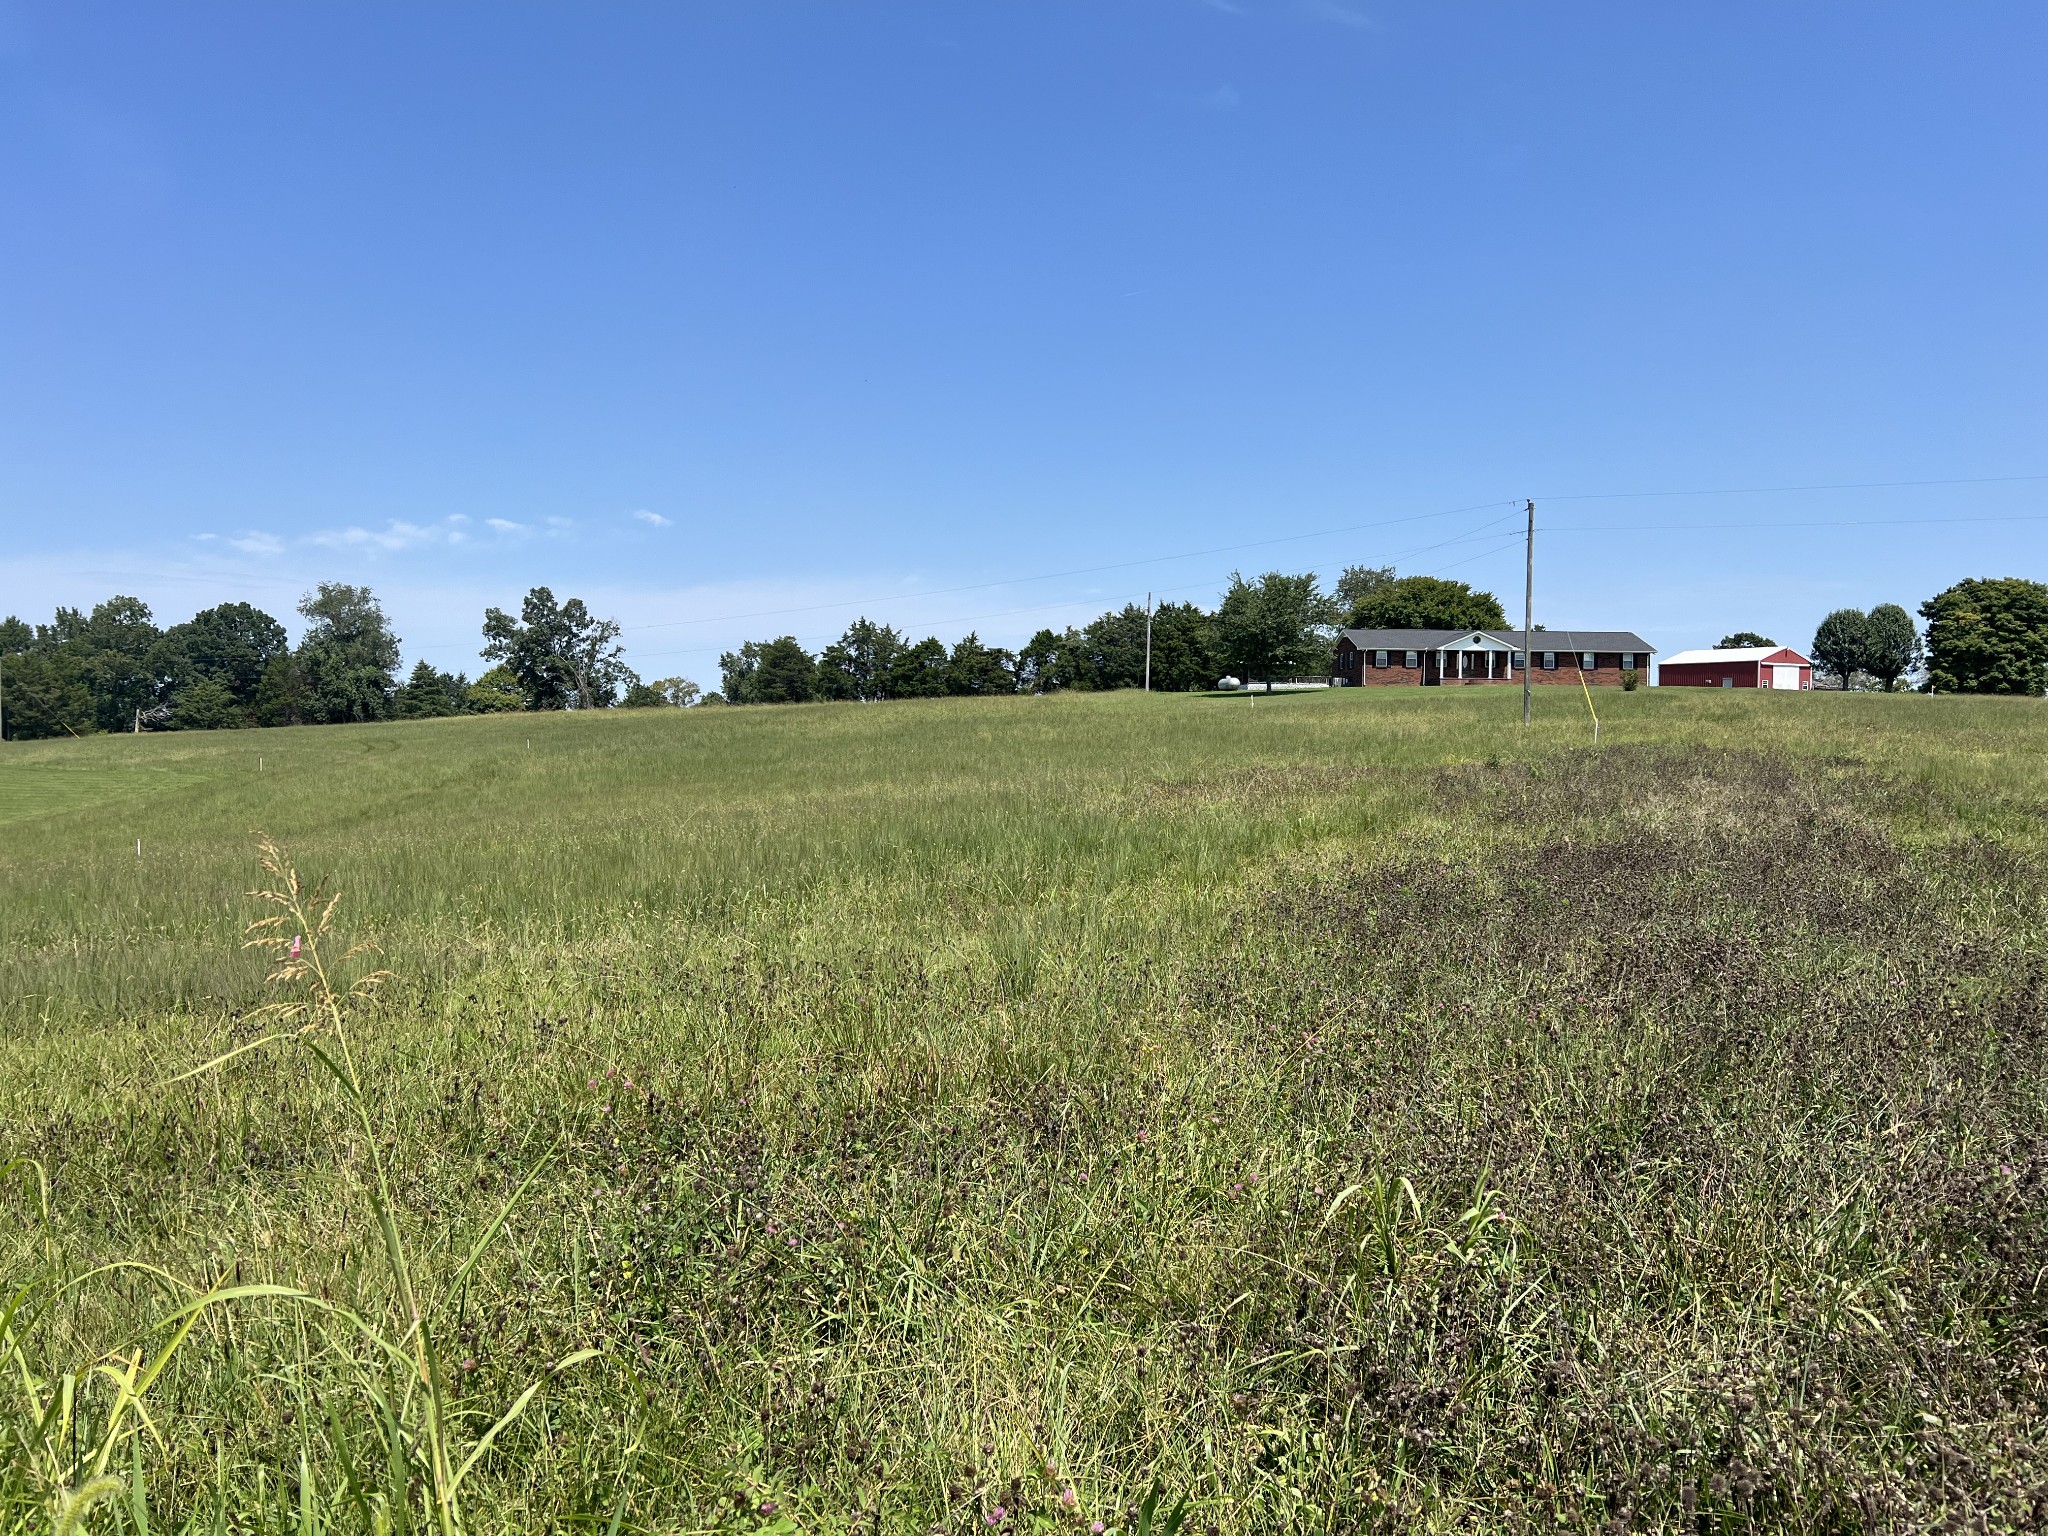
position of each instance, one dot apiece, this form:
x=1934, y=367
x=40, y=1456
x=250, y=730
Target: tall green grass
x=1346, y=1110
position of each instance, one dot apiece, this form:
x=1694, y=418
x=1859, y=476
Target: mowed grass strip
x=1348, y=1109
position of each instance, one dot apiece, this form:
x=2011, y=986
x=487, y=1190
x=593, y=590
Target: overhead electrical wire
x=1206, y=584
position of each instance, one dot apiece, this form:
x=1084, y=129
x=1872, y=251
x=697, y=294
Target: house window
x=1410, y=659
x=1628, y=660
x=1520, y=664
x=1586, y=661
x=1379, y=658
x=1550, y=661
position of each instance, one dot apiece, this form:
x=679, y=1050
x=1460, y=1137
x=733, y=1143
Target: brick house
x=1430, y=658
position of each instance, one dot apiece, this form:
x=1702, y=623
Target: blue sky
x=742, y=319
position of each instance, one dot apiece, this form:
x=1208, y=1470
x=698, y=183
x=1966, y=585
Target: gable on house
x=1432, y=657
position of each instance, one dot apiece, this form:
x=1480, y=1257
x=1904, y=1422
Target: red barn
x=1747, y=666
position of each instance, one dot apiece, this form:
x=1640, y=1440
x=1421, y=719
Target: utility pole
x=1148, y=642
x=1528, y=610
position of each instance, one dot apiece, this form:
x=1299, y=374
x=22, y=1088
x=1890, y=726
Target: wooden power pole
x=1148, y=642
x=1528, y=610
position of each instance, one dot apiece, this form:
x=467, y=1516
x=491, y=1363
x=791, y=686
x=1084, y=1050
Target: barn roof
x=1431, y=639
x=1737, y=653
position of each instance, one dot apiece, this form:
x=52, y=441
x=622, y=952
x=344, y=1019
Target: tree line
x=1984, y=635
x=1268, y=629
x=114, y=669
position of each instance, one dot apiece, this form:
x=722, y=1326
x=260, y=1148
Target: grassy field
x=1349, y=1111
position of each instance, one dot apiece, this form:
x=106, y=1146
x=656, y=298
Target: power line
x=1781, y=490
x=1089, y=570
x=1842, y=522
x=1208, y=584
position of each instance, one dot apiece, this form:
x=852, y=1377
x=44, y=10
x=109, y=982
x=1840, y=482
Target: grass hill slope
x=1341, y=1111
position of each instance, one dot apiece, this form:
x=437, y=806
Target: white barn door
x=1784, y=677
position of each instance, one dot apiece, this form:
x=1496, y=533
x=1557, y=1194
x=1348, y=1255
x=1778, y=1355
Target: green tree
x=497, y=692
x=1358, y=583
x=563, y=655
x=1185, y=652
x=976, y=669
x=769, y=672
x=233, y=644
x=45, y=696
x=662, y=693
x=1276, y=627
x=919, y=671
x=1052, y=660
x=110, y=651
x=1841, y=643
x=1113, y=649
x=430, y=694
x=284, y=695
x=856, y=665
x=206, y=704
x=1427, y=602
x=348, y=655
x=1742, y=639
x=1988, y=635
x=1894, y=645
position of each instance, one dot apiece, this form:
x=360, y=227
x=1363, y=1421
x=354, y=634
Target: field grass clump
x=1357, y=1115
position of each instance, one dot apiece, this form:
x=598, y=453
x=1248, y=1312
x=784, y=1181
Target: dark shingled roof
x=1543, y=639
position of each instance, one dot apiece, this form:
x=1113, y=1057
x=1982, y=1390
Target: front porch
x=1473, y=659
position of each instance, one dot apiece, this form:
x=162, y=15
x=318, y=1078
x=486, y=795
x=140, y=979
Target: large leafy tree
x=856, y=665
x=1427, y=602
x=231, y=645
x=769, y=672
x=1892, y=645
x=1358, y=583
x=563, y=655
x=1275, y=627
x=1841, y=642
x=110, y=651
x=1988, y=635
x=348, y=656
x=1742, y=640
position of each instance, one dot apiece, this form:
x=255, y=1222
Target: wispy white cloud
x=256, y=542
x=503, y=525
x=561, y=522
x=653, y=518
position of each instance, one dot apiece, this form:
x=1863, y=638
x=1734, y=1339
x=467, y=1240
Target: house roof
x=1737, y=653
x=1563, y=639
